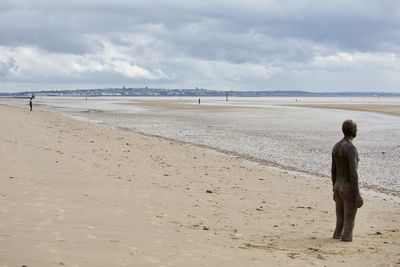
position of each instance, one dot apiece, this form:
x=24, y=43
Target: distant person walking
x=199, y=101
x=30, y=103
x=345, y=182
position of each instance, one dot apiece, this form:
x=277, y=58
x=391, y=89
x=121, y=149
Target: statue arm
x=353, y=166
x=333, y=169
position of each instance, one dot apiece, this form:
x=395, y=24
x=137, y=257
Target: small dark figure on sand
x=199, y=101
x=30, y=103
x=345, y=182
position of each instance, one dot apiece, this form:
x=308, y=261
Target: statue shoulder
x=335, y=147
x=352, y=149
x=338, y=145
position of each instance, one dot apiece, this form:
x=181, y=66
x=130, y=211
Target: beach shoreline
x=81, y=194
x=266, y=131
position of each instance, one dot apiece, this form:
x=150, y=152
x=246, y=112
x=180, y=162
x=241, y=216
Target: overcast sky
x=313, y=45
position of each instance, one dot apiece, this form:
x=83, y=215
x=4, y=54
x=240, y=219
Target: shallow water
x=296, y=138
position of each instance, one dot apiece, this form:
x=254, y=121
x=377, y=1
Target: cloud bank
x=351, y=45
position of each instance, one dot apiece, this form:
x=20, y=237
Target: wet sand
x=78, y=194
x=266, y=131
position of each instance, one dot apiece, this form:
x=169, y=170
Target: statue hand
x=359, y=201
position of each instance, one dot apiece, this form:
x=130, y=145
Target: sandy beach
x=392, y=109
x=260, y=129
x=80, y=194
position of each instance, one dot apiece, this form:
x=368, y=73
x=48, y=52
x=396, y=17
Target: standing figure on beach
x=346, y=193
x=30, y=103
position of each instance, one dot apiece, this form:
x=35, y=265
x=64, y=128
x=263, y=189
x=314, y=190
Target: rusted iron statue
x=346, y=192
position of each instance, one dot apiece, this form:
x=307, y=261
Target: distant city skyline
x=317, y=46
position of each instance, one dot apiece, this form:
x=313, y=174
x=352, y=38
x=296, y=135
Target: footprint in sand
x=90, y=236
x=60, y=214
x=91, y=227
x=44, y=223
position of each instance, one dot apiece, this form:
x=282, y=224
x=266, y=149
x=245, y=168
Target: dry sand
x=77, y=194
x=389, y=109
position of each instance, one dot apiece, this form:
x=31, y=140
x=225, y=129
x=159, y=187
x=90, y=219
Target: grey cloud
x=306, y=21
x=169, y=35
x=63, y=27
x=8, y=67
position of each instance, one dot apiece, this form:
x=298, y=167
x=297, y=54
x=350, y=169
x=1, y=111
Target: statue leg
x=339, y=217
x=350, y=211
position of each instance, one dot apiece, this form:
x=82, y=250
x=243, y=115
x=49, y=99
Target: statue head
x=349, y=128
